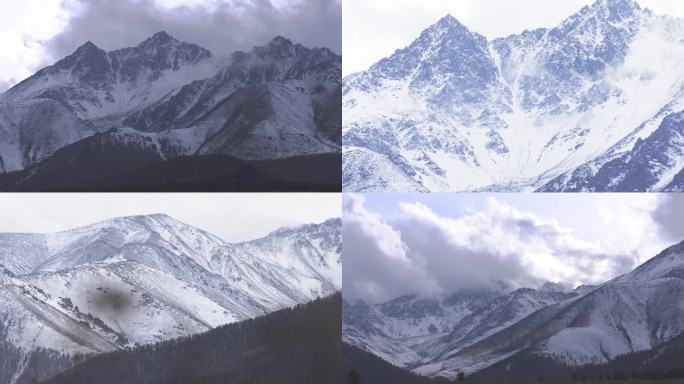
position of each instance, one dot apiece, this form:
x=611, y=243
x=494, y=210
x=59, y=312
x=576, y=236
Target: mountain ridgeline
x=632, y=326
x=575, y=107
x=135, y=281
x=100, y=120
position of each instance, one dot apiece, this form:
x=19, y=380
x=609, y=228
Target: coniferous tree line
x=361, y=367
x=661, y=363
x=73, y=169
x=35, y=366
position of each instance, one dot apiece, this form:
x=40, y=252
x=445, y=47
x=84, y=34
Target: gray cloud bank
x=425, y=253
x=225, y=28
x=669, y=216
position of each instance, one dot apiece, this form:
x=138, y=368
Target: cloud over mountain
x=424, y=251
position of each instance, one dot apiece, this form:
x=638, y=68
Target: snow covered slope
x=408, y=331
x=395, y=330
x=144, y=279
x=547, y=109
x=635, y=312
x=278, y=100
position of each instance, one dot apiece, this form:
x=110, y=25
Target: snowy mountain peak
x=448, y=21
x=446, y=29
x=170, y=52
x=87, y=63
x=161, y=37
x=88, y=46
x=619, y=6
x=614, y=12
x=278, y=47
x=280, y=41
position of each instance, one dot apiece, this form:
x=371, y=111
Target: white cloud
x=25, y=26
x=232, y=216
x=374, y=260
x=423, y=251
x=374, y=29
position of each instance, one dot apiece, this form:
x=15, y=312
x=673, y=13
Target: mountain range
x=134, y=281
x=592, y=104
x=498, y=334
x=164, y=99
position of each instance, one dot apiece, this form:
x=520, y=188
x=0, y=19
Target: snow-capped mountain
x=278, y=100
x=395, y=330
x=638, y=311
x=590, y=105
x=140, y=280
x=408, y=330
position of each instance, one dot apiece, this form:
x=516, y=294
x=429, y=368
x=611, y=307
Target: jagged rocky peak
x=448, y=33
x=280, y=41
x=278, y=48
x=282, y=59
x=162, y=52
x=448, y=23
x=617, y=7
x=611, y=11
x=446, y=50
x=160, y=38
x=87, y=47
x=87, y=53
x=283, y=48
x=163, y=40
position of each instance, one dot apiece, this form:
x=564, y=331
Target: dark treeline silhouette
x=663, y=362
x=299, y=345
x=93, y=167
x=361, y=367
x=34, y=366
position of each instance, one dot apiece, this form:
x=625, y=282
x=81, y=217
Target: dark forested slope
x=299, y=345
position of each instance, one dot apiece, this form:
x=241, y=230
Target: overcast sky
x=436, y=244
x=374, y=29
x=36, y=33
x=234, y=217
